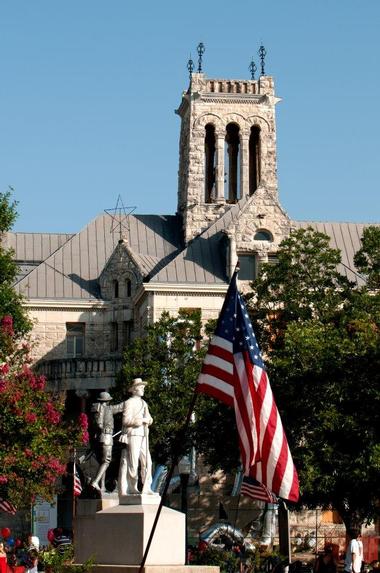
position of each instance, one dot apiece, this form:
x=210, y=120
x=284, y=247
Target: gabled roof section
x=32, y=248
x=203, y=260
x=73, y=270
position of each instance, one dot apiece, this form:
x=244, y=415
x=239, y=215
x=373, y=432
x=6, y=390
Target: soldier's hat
x=136, y=382
x=104, y=397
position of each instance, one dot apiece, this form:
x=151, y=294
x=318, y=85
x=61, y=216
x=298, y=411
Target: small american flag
x=77, y=487
x=256, y=490
x=7, y=506
x=233, y=372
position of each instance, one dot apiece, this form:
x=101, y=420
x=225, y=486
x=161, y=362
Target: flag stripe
x=233, y=372
x=77, y=484
x=255, y=490
x=7, y=506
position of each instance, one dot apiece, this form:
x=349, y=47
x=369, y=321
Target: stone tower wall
x=220, y=102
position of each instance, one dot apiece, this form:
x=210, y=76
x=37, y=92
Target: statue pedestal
x=140, y=499
x=119, y=535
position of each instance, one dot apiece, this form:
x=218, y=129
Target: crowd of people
x=26, y=555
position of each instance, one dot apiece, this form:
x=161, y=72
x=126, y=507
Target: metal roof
x=74, y=263
x=73, y=270
x=345, y=237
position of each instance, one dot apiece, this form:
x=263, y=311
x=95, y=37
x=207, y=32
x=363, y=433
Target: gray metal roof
x=204, y=258
x=345, y=237
x=74, y=263
x=73, y=270
x=33, y=248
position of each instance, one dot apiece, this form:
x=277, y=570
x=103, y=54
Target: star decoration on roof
x=120, y=218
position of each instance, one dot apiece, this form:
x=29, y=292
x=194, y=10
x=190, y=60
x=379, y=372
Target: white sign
x=44, y=518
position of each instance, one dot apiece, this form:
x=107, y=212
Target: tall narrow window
x=247, y=267
x=114, y=337
x=127, y=332
x=231, y=162
x=254, y=159
x=116, y=289
x=209, y=162
x=128, y=288
x=75, y=332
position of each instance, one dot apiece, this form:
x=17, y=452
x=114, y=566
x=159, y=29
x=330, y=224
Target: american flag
x=256, y=490
x=7, y=506
x=77, y=486
x=233, y=372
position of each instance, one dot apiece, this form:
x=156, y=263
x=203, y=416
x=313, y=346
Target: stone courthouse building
x=92, y=292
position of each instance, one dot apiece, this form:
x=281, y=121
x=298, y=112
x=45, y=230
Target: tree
x=169, y=358
x=10, y=301
x=321, y=336
x=367, y=259
x=34, y=436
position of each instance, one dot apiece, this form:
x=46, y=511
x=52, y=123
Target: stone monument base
x=117, y=536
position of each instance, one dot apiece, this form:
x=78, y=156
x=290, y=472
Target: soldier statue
x=135, y=438
x=104, y=413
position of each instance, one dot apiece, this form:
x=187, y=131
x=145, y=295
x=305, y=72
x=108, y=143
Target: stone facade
x=219, y=103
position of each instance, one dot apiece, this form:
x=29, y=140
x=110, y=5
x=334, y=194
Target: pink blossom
x=56, y=466
x=4, y=369
x=30, y=417
x=3, y=479
x=85, y=437
x=83, y=421
x=37, y=382
x=28, y=452
x=52, y=415
x=7, y=325
x=3, y=385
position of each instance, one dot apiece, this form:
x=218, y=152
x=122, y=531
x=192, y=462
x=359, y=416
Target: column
x=219, y=175
x=244, y=164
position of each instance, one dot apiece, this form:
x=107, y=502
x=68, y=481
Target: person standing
x=354, y=555
x=135, y=437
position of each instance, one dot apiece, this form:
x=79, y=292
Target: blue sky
x=88, y=90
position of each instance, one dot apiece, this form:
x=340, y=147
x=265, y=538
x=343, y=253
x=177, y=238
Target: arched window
x=115, y=288
x=254, y=159
x=232, y=162
x=263, y=236
x=128, y=288
x=209, y=162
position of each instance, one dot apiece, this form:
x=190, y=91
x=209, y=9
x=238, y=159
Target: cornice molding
x=63, y=304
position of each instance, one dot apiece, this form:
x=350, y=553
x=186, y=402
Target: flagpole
x=176, y=453
x=74, y=496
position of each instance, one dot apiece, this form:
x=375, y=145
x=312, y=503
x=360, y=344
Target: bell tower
x=227, y=147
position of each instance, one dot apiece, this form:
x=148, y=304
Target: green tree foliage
x=10, y=301
x=367, y=259
x=169, y=357
x=321, y=336
x=34, y=437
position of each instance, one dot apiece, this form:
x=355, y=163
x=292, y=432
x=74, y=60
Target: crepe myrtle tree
x=321, y=337
x=35, y=437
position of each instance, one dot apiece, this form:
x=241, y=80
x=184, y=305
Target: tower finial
x=190, y=67
x=262, y=53
x=252, y=68
x=201, y=50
